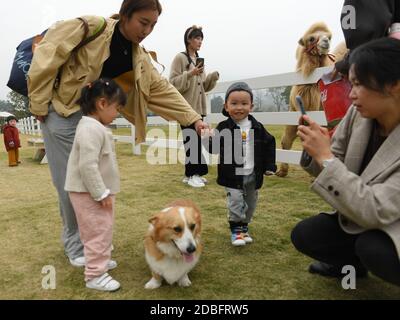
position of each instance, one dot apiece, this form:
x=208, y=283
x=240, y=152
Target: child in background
x=247, y=152
x=93, y=180
x=11, y=141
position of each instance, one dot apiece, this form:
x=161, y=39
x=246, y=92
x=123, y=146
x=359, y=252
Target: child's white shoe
x=103, y=283
x=247, y=238
x=80, y=262
x=237, y=237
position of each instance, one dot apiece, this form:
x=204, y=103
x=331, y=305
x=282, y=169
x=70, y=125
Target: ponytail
x=102, y=88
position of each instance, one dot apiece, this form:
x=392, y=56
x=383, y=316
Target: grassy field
x=30, y=228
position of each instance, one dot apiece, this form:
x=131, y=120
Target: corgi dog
x=172, y=244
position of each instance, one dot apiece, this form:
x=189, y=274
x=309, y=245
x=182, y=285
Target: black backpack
x=23, y=57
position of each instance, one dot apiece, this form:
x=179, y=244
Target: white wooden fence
x=32, y=127
x=29, y=126
x=267, y=118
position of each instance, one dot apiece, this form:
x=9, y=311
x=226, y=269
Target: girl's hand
x=316, y=140
x=107, y=203
x=197, y=71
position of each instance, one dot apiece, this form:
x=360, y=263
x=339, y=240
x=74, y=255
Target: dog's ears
x=301, y=42
x=153, y=220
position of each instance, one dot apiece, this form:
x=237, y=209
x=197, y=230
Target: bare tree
x=258, y=100
x=278, y=97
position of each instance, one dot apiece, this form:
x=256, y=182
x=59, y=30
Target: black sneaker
x=328, y=270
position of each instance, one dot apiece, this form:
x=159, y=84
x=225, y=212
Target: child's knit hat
x=237, y=86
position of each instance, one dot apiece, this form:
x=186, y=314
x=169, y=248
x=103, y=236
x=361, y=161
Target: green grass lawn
x=30, y=229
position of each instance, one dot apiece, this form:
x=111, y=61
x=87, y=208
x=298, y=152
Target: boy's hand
x=207, y=133
x=11, y=144
x=200, y=126
x=107, y=203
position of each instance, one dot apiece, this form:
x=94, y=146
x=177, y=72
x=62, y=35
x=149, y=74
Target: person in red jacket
x=11, y=141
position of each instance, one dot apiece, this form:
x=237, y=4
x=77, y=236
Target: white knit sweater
x=92, y=166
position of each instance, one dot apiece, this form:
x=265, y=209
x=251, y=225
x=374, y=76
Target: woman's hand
x=315, y=139
x=107, y=203
x=197, y=71
x=201, y=127
x=41, y=119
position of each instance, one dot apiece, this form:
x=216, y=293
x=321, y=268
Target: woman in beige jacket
x=58, y=73
x=188, y=76
x=359, y=173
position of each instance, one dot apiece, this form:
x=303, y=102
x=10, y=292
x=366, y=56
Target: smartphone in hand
x=302, y=108
x=200, y=63
x=300, y=104
x=305, y=157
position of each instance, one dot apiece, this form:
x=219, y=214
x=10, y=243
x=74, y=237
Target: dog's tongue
x=188, y=258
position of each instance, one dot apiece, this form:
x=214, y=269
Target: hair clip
x=89, y=85
x=193, y=28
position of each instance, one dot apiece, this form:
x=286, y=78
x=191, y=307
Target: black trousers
x=195, y=164
x=323, y=239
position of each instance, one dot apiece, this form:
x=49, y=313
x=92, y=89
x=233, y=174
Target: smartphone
x=200, y=62
x=300, y=103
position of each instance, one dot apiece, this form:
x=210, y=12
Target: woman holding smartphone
x=358, y=173
x=189, y=77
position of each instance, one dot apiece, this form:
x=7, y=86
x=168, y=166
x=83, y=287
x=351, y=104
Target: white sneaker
x=103, y=283
x=205, y=181
x=78, y=262
x=247, y=238
x=196, y=182
x=186, y=180
x=81, y=262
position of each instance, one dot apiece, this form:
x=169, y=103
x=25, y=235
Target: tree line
x=16, y=104
x=265, y=100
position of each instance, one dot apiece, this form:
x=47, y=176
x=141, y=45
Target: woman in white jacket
x=188, y=76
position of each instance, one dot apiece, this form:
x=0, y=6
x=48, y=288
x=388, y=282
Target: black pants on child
x=197, y=165
x=323, y=239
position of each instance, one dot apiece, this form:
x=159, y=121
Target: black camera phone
x=200, y=62
x=300, y=103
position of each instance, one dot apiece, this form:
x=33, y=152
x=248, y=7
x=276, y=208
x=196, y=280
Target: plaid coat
x=370, y=201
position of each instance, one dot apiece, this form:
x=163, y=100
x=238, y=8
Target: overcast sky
x=243, y=38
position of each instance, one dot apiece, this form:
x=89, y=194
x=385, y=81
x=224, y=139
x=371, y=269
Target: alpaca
x=312, y=53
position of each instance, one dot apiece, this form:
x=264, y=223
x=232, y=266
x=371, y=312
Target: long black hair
x=102, y=88
x=376, y=64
